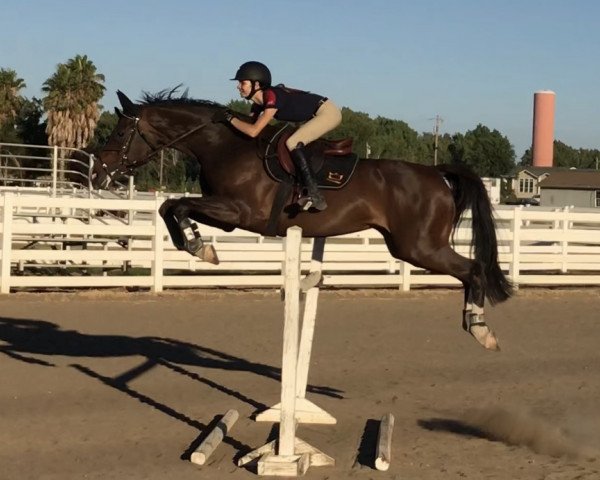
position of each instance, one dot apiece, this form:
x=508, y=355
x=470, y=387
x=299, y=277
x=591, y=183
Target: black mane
x=166, y=97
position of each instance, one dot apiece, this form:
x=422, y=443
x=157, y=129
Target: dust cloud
x=577, y=436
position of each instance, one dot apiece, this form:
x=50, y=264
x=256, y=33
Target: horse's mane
x=167, y=97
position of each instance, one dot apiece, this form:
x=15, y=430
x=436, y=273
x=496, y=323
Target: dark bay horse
x=415, y=207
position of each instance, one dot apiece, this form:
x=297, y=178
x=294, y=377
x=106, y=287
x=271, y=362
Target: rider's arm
x=253, y=129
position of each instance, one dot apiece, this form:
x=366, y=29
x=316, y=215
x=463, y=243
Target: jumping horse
x=415, y=207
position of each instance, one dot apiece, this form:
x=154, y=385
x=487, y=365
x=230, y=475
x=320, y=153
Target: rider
x=318, y=114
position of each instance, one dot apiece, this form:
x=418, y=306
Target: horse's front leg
x=214, y=211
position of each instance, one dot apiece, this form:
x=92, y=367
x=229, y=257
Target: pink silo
x=543, y=128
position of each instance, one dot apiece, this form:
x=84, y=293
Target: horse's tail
x=469, y=192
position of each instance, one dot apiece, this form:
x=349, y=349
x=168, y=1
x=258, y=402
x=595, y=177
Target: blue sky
x=469, y=61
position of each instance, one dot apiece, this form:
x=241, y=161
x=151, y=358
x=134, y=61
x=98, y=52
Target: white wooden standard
x=158, y=247
x=305, y=410
x=289, y=455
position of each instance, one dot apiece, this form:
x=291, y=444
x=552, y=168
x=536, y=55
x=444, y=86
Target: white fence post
x=54, y=169
x=405, y=268
x=158, y=247
x=516, y=243
x=7, y=221
x=565, y=242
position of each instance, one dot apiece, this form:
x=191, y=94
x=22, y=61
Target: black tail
x=469, y=192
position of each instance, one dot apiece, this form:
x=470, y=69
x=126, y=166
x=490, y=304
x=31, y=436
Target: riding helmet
x=254, y=71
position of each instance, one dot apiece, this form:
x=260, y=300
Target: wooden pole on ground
x=214, y=438
x=384, y=443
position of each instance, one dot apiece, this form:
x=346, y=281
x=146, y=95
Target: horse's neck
x=219, y=142
x=215, y=146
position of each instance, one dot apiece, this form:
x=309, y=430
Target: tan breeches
x=328, y=117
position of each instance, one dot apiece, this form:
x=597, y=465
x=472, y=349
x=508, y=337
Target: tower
x=543, y=128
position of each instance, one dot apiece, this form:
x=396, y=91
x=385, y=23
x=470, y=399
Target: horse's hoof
x=208, y=254
x=485, y=337
x=474, y=324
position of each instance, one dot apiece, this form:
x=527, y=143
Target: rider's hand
x=223, y=116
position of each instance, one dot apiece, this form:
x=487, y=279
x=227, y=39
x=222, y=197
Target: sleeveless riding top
x=292, y=105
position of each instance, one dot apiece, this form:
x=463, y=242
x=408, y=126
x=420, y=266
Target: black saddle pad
x=331, y=171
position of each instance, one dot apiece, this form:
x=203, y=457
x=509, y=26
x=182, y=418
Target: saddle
x=332, y=161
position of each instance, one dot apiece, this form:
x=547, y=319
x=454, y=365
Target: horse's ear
x=118, y=112
x=129, y=108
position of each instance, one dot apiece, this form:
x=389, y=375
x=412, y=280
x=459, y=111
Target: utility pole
x=436, y=133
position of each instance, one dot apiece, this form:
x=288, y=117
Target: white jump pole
x=289, y=456
x=214, y=438
x=306, y=411
x=383, y=456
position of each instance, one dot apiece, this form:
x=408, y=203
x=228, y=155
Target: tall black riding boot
x=316, y=197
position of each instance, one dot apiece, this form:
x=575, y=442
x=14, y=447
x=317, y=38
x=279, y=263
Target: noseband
x=126, y=167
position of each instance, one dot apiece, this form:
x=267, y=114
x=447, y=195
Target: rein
x=126, y=167
x=172, y=142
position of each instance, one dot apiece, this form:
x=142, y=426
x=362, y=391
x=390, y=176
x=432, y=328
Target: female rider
x=317, y=114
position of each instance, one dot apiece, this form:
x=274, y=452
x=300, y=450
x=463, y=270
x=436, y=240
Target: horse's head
x=162, y=121
x=126, y=148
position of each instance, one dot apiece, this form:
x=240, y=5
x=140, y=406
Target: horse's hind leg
x=473, y=316
x=445, y=260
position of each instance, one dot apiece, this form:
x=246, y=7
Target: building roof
x=539, y=171
x=572, y=179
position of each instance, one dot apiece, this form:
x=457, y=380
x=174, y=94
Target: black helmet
x=255, y=71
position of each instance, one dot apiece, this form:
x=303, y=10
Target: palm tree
x=10, y=100
x=71, y=105
x=71, y=102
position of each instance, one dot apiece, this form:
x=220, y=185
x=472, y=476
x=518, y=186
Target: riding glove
x=223, y=116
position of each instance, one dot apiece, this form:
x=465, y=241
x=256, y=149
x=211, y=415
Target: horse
x=415, y=207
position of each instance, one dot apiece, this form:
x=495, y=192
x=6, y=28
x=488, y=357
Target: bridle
x=125, y=167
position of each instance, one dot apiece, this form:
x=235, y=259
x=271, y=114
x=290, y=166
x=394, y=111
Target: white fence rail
x=63, y=242
x=44, y=167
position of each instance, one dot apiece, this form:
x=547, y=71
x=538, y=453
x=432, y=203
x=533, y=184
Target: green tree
x=106, y=124
x=180, y=173
x=242, y=106
x=395, y=139
x=567, y=157
x=10, y=97
x=526, y=159
x=428, y=146
x=357, y=125
x=71, y=102
x=11, y=102
x=30, y=127
x=486, y=151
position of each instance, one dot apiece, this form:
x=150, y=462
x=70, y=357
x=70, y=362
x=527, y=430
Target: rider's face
x=245, y=89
